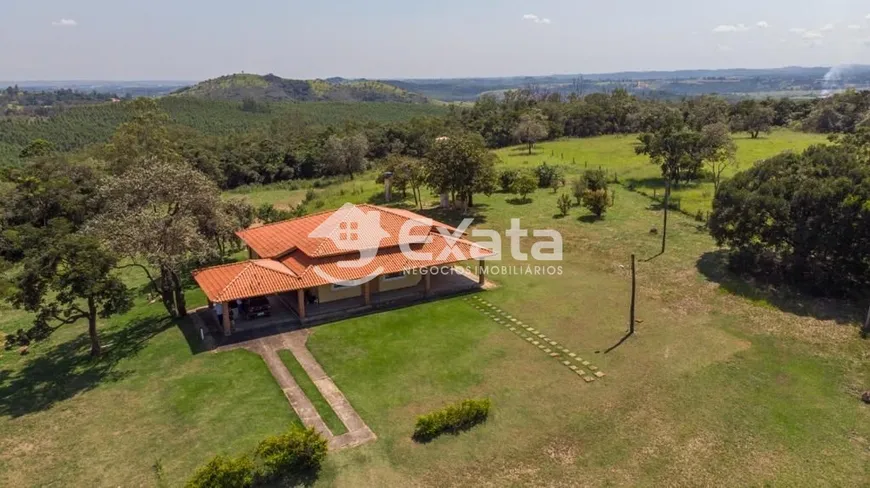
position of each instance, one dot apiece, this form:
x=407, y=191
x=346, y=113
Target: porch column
x=481, y=280
x=300, y=297
x=367, y=292
x=427, y=283
x=228, y=328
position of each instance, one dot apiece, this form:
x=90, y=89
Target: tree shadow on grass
x=519, y=201
x=714, y=266
x=454, y=217
x=67, y=369
x=589, y=219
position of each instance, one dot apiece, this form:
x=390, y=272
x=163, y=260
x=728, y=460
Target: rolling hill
x=271, y=88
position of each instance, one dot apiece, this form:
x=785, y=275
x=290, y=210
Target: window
x=394, y=276
x=337, y=287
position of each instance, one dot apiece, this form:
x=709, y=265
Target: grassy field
x=722, y=384
x=616, y=155
x=336, y=426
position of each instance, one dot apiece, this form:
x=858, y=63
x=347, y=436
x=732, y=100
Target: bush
x=451, y=419
x=547, y=174
x=224, y=472
x=578, y=187
x=506, y=179
x=524, y=185
x=595, y=179
x=564, y=204
x=293, y=453
x=595, y=201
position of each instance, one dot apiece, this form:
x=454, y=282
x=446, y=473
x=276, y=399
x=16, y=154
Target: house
x=346, y=258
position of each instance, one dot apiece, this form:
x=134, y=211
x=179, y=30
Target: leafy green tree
x=525, y=184
x=721, y=151
x=753, y=117
x=803, y=218
x=675, y=150
x=69, y=278
x=36, y=149
x=345, y=155
x=144, y=137
x=408, y=172
x=532, y=127
x=166, y=214
x=460, y=166
x=506, y=179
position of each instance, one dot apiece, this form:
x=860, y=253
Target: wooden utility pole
x=633, y=290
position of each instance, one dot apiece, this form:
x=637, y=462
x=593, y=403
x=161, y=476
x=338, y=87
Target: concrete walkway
x=267, y=347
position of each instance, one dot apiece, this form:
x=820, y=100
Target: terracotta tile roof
x=246, y=279
x=274, y=240
x=290, y=259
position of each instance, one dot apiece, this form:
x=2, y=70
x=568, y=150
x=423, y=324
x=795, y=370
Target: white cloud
x=730, y=28
x=827, y=27
x=65, y=23
x=797, y=30
x=762, y=24
x=538, y=20
x=868, y=17
x=854, y=27
x=813, y=35
x=723, y=48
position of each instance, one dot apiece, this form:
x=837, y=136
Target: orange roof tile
x=277, y=239
x=291, y=259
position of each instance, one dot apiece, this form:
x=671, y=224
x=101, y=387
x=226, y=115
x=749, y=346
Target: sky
x=199, y=39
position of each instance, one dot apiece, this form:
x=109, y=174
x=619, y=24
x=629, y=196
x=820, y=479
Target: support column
x=300, y=297
x=481, y=280
x=427, y=283
x=367, y=292
x=228, y=326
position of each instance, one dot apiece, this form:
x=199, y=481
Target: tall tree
x=531, y=128
x=720, y=151
x=461, y=166
x=66, y=279
x=36, y=149
x=161, y=212
x=144, y=137
x=673, y=148
x=753, y=117
x=345, y=155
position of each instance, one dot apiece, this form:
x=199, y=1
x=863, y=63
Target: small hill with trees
x=271, y=88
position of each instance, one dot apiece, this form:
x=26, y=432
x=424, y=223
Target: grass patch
x=616, y=155
x=320, y=404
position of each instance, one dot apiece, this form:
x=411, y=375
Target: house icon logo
x=352, y=229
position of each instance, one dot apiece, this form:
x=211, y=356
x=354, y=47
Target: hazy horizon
x=388, y=39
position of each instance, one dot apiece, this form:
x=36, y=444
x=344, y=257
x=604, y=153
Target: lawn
x=722, y=384
x=68, y=421
x=616, y=155
x=715, y=388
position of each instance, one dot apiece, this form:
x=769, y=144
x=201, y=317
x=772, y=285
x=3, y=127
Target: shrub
x=295, y=452
x=451, y=419
x=595, y=179
x=578, y=186
x=595, y=201
x=564, y=204
x=546, y=174
x=224, y=472
x=524, y=184
x=506, y=180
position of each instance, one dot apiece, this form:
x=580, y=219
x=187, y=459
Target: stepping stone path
x=532, y=336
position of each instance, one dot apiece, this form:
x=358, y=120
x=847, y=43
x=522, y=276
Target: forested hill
x=271, y=88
